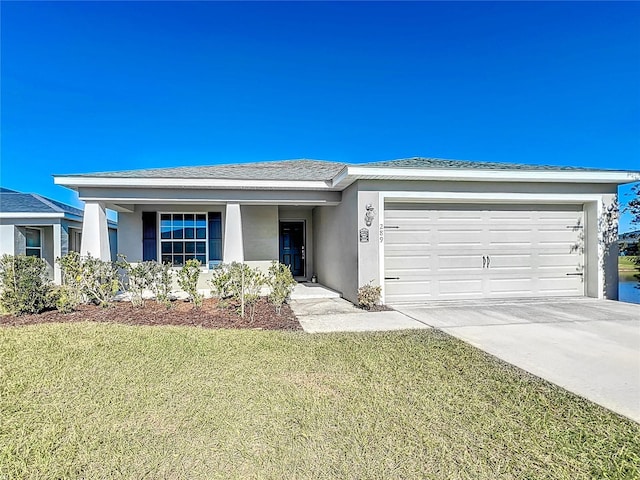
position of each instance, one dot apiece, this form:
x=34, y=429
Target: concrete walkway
x=337, y=315
x=590, y=347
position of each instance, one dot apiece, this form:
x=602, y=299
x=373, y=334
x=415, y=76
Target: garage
x=462, y=251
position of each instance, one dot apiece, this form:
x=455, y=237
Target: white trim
x=209, y=201
x=31, y=215
x=601, y=250
x=380, y=240
x=466, y=197
x=340, y=176
x=478, y=175
x=85, y=181
x=41, y=247
x=352, y=173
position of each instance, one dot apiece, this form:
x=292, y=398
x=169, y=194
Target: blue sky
x=95, y=86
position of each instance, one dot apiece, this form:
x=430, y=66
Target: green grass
x=110, y=401
x=627, y=264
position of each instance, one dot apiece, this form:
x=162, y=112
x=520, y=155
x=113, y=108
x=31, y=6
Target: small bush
x=138, y=278
x=65, y=299
x=188, y=281
x=24, y=283
x=221, y=282
x=281, y=282
x=72, y=278
x=89, y=279
x=250, y=282
x=161, y=285
x=369, y=296
x=240, y=283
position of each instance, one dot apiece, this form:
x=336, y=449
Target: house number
x=364, y=235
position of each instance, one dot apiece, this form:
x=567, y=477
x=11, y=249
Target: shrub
x=89, y=279
x=221, y=282
x=138, y=278
x=281, y=282
x=161, y=285
x=369, y=296
x=65, y=299
x=188, y=281
x=72, y=275
x=240, y=283
x=248, y=282
x=24, y=282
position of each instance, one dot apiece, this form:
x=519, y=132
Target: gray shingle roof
x=420, y=162
x=283, y=170
x=313, y=170
x=16, y=202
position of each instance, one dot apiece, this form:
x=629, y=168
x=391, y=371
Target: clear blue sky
x=120, y=85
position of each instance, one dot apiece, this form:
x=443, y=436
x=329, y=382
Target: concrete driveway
x=587, y=346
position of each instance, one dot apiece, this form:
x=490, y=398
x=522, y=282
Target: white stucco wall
x=260, y=232
x=335, y=233
x=7, y=240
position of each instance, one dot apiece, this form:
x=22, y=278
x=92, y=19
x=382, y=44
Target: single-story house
x=31, y=224
x=424, y=229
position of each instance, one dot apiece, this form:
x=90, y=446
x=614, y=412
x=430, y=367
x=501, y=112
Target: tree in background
x=634, y=209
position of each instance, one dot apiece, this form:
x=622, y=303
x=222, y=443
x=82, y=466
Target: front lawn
x=91, y=400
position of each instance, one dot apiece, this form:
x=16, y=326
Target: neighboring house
x=424, y=229
x=31, y=224
x=629, y=243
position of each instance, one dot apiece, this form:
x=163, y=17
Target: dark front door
x=292, y=246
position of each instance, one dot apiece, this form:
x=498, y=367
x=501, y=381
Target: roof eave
x=344, y=179
x=74, y=183
x=32, y=215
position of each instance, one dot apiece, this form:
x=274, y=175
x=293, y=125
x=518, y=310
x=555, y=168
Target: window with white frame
x=75, y=240
x=34, y=242
x=183, y=236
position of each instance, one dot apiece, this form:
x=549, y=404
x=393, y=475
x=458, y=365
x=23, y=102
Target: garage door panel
x=421, y=263
x=558, y=260
x=448, y=289
x=561, y=285
x=510, y=286
x=465, y=262
x=437, y=251
x=407, y=237
x=409, y=291
x=459, y=238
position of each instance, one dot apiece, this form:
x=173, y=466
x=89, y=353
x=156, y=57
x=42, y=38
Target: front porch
x=211, y=233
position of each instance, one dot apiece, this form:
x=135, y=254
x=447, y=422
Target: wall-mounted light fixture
x=369, y=214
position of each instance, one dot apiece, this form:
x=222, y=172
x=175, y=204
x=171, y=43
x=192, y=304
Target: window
x=183, y=236
x=34, y=242
x=75, y=240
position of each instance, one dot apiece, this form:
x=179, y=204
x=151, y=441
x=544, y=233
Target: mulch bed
x=210, y=315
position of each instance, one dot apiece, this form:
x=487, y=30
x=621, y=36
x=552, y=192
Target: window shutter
x=215, y=236
x=149, y=232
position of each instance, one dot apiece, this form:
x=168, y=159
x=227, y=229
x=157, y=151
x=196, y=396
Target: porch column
x=95, y=233
x=60, y=248
x=233, y=246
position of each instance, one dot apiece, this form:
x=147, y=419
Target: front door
x=292, y=246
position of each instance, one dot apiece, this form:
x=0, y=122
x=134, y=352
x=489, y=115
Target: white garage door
x=442, y=252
